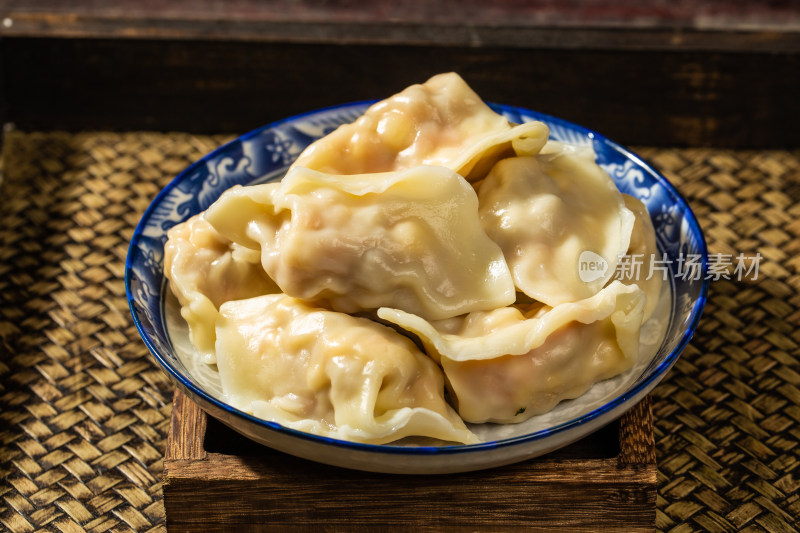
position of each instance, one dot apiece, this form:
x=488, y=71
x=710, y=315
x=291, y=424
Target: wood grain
x=190, y=421
x=572, y=24
x=681, y=73
x=274, y=491
x=637, y=444
x=677, y=99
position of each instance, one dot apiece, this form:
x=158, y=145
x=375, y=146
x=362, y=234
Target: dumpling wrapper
x=551, y=214
x=642, y=251
x=502, y=366
x=410, y=240
x=330, y=374
x=205, y=270
x=440, y=122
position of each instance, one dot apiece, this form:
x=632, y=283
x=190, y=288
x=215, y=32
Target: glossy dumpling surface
x=330, y=373
x=205, y=270
x=410, y=240
x=553, y=214
x=504, y=366
x=440, y=122
x=643, y=262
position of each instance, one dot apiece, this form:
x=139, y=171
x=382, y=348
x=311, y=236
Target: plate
x=264, y=155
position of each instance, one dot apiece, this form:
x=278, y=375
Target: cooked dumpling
x=440, y=122
x=410, y=240
x=552, y=214
x=330, y=374
x=205, y=269
x=641, y=256
x=502, y=366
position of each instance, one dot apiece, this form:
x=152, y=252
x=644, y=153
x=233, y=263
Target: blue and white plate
x=264, y=154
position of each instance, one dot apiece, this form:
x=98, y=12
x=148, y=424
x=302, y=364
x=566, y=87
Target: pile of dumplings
x=414, y=271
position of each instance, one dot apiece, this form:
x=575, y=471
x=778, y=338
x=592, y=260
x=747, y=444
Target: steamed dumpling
x=549, y=214
x=204, y=270
x=410, y=240
x=504, y=366
x=330, y=374
x=440, y=122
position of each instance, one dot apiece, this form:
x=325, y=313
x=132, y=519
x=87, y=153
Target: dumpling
x=641, y=256
x=440, y=122
x=204, y=270
x=503, y=366
x=552, y=215
x=330, y=374
x=410, y=240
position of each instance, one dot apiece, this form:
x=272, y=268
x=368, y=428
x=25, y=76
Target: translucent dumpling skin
x=502, y=366
x=330, y=373
x=205, y=270
x=546, y=212
x=491, y=251
x=643, y=257
x=440, y=122
x=411, y=240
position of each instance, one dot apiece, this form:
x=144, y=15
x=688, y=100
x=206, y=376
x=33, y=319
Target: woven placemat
x=84, y=411
x=726, y=417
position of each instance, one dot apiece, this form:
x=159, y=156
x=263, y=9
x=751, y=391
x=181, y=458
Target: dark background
x=710, y=73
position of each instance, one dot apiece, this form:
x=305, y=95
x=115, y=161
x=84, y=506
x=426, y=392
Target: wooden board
x=717, y=73
x=574, y=24
x=633, y=97
x=216, y=480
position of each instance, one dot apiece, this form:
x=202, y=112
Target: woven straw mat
x=84, y=411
